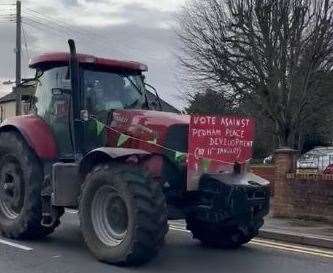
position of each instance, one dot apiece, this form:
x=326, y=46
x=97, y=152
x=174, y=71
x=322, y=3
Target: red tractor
x=88, y=145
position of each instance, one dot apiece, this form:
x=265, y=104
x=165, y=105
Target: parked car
x=318, y=158
x=329, y=169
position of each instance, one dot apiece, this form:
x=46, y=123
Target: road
x=65, y=252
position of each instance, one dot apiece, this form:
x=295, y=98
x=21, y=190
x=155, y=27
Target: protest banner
x=215, y=143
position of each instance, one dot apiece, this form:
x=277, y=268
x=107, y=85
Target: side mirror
x=32, y=101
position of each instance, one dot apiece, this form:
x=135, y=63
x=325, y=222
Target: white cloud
x=164, y=5
x=101, y=12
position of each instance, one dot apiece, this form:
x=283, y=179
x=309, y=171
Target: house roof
x=26, y=91
x=7, y=98
x=166, y=106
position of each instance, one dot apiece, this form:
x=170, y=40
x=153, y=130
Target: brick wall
x=304, y=196
x=310, y=196
x=267, y=172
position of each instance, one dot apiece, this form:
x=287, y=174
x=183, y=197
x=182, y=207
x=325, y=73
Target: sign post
x=216, y=143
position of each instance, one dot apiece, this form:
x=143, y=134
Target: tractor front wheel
x=123, y=214
x=21, y=177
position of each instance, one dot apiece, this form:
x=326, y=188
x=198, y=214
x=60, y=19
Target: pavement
x=64, y=251
x=298, y=231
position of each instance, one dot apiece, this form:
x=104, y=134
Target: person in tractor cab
x=106, y=92
x=111, y=91
x=103, y=96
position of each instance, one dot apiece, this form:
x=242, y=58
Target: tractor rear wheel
x=217, y=236
x=123, y=214
x=21, y=177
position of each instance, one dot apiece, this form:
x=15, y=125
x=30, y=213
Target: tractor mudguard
x=67, y=177
x=36, y=132
x=105, y=154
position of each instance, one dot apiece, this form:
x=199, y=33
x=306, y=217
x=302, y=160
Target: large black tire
x=123, y=214
x=21, y=177
x=218, y=236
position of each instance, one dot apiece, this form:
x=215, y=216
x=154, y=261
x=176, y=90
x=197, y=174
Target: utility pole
x=18, y=58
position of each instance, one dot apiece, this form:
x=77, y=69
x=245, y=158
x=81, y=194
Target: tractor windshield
x=109, y=90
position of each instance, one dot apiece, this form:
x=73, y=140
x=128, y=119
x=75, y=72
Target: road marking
x=182, y=228
x=277, y=245
x=179, y=229
x=178, y=225
x=5, y=242
x=317, y=250
x=72, y=211
x=292, y=249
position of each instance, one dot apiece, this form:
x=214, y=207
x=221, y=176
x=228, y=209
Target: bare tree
x=278, y=54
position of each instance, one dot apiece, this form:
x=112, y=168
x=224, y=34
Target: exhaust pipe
x=75, y=128
x=74, y=68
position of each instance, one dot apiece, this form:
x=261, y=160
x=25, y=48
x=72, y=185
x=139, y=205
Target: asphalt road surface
x=65, y=252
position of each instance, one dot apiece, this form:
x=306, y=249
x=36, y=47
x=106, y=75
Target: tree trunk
x=286, y=136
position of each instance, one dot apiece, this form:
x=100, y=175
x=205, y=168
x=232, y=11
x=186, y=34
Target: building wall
x=7, y=109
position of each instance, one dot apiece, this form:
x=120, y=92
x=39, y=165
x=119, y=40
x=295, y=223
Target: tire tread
x=150, y=208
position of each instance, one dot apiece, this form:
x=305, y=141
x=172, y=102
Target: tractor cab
x=100, y=86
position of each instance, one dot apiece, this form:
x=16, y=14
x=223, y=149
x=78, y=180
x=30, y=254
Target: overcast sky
x=141, y=30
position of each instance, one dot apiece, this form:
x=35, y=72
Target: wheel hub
x=11, y=188
x=109, y=216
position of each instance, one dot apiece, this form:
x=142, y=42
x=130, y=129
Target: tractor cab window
x=49, y=80
x=105, y=91
x=52, y=104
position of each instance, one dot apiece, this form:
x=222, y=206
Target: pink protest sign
x=216, y=143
